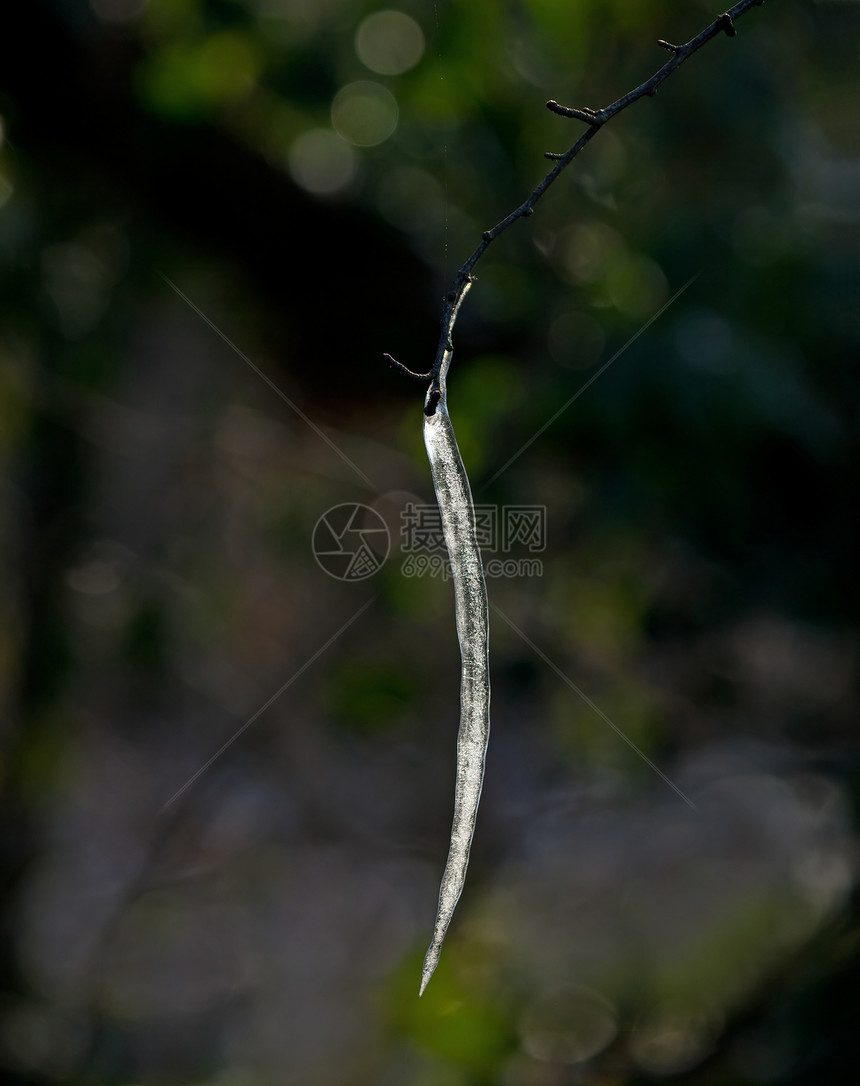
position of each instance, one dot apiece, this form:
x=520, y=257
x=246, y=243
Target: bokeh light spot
x=588, y=250
x=389, y=42
x=410, y=198
x=637, y=286
x=364, y=113
x=118, y=11
x=186, y=79
x=705, y=340
x=575, y=339
x=568, y=1026
x=674, y=1041
x=321, y=162
x=6, y=189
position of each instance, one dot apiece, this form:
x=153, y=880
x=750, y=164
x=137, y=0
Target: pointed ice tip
x=426, y=974
x=430, y=963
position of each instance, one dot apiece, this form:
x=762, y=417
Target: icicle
x=470, y=594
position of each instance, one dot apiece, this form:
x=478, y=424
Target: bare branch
x=595, y=119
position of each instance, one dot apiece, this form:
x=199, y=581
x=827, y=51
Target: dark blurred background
x=193, y=188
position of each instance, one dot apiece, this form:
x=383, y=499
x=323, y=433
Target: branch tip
x=554, y=155
x=584, y=114
x=668, y=45
x=405, y=369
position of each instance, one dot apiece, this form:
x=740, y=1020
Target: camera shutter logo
x=351, y=542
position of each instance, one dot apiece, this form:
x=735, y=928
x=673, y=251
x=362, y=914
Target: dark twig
x=584, y=114
x=405, y=369
x=595, y=119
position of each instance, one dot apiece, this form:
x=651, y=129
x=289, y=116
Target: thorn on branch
x=668, y=45
x=584, y=114
x=725, y=21
x=405, y=369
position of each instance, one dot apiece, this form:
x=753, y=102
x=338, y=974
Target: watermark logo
x=496, y=528
x=439, y=565
x=351, y=542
